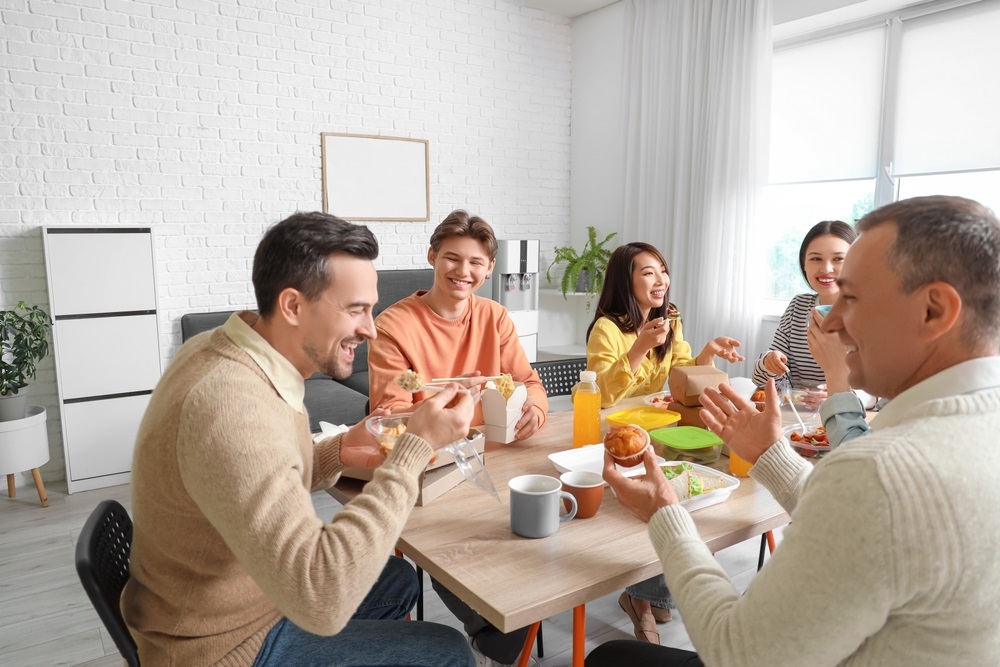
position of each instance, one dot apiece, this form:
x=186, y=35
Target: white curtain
x=696, y=97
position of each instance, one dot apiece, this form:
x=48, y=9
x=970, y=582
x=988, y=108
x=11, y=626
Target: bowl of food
x=627, y=444
x=688, y=443
x=812, y=442
x=387, y=429
x=661, y=399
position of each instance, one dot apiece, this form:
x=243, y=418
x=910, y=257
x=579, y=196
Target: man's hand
x=643, y=495
x=829, y=353
x=358, y=447
x=735, y=419
x=443, y=418
x=776, y=363
x=529, y=422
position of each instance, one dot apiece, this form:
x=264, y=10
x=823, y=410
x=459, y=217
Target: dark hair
x=952, y=240
x=617, y=301
x=294, y=252
x=460, y=224
x=836, y=228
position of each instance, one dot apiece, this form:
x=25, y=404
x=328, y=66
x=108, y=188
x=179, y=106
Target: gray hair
x=951, y=240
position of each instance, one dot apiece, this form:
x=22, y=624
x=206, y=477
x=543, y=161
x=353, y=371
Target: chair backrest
x=559, y=376
x=102, y=561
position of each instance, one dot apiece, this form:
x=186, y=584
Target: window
x=895, y=107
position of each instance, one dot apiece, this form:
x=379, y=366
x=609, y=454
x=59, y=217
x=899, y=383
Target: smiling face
x=338, y=321
x=649, y=281
x=461, y=264
x=880, y=326
x=822, y=263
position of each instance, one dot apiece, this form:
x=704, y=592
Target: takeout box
x=687, y=382
x=440, y=476
x=500, y=414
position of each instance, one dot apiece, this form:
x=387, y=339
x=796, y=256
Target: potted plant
x=24, y=341
x=584, y=269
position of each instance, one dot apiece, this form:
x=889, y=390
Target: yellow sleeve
x=607, y=355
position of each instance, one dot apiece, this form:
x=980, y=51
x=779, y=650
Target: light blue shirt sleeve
x=843, y=417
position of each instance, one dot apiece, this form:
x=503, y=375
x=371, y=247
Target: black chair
x=559, y=376
x=102, y=561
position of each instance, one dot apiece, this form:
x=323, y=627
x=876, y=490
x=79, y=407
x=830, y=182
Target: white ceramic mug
x=535, y=504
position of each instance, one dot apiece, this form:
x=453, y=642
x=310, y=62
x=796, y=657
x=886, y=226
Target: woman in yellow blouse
x=636, y=336
x=633, y=342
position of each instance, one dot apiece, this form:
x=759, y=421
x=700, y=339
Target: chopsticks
x=477, y=377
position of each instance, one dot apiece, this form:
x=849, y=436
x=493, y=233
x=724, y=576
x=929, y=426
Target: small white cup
x=535, y=504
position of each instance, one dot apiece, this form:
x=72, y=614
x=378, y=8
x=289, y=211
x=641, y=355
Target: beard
x=333, y=365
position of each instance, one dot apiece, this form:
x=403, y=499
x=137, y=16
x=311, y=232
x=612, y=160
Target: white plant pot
x=24, y=443
x=13, y=406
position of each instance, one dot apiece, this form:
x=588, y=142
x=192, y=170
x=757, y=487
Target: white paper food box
x=501, y=415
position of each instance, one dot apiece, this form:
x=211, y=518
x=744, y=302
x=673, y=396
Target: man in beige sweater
x=890, y=558
x=230, y=564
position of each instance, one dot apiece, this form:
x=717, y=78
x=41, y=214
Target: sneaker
x=484, y=661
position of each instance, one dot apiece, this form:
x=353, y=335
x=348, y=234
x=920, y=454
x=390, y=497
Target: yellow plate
x=643, y=416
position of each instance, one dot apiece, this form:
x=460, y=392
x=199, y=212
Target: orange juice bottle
x=738, y=466
x=586, y=410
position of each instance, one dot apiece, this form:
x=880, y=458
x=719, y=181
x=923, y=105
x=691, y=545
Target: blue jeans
x=370, y=638
x=654, y=591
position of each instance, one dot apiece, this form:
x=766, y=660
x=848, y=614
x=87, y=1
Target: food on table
x=758, y=399
x=688, y=483
x=626, y=444
x=410, y=380
x=505, y=385
x=811, y=443
x=816, y=436
x=661, y=401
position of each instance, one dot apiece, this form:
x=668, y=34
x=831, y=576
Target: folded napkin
x=327, y=429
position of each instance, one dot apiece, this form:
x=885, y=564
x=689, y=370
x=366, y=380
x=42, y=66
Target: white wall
x=202, y=119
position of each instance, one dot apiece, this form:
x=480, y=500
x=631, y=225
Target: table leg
x=579, y=634
x=529, y=643
x=11, y=489
x=770, y=540
x=40, y=487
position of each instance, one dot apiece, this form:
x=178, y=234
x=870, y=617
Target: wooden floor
x=47, y=620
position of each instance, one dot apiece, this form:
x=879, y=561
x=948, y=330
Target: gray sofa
x=326, y=399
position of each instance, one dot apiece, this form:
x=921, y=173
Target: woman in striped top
x=820, y=258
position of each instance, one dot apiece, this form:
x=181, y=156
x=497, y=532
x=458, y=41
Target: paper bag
x=687, y=382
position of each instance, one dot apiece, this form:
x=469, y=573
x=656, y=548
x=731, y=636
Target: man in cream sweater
x=230, y=564
x=890, y=556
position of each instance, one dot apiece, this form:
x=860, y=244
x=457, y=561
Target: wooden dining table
x=464, y=540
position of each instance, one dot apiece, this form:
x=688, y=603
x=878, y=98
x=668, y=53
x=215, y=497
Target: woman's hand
x=723, y=347
x=776, y=363
x=649, y=335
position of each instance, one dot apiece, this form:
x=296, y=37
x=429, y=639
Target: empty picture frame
x=376, y=178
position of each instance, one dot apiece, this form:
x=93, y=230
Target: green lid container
x=688, y=443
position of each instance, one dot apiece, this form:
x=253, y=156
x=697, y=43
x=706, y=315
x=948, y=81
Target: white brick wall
x=202, y=119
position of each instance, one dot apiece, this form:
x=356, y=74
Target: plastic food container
x=688, y=443
x=809, y=450
x=644, y=417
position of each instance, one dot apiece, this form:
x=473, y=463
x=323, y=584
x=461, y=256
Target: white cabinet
x=106, y=342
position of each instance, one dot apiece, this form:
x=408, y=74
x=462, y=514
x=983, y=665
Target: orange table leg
x=11, y=489
x=770, y=541
x=529, y=643
x=579, y=634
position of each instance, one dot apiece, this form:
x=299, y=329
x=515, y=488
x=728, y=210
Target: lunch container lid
x=644, y=417
x=685, y=437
